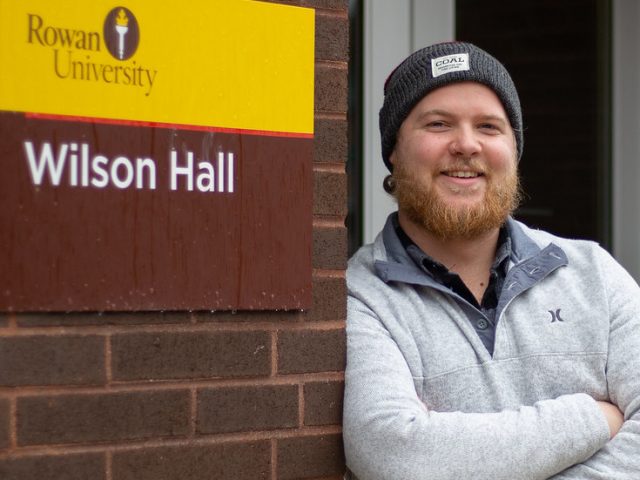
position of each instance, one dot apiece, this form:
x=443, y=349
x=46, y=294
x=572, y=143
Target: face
x=455, y=162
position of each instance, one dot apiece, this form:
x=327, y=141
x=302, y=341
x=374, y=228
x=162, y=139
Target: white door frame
x=392, y=30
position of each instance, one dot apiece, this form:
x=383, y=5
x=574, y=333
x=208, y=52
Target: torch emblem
x=121, y=33
x=122, y=22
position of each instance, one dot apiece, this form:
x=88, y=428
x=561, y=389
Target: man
x=479, y=348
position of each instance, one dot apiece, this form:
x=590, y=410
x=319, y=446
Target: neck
x=470, y=258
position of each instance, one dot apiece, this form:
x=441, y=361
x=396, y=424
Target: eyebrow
x=436, y=112
x=445, y=113
x=495, y=118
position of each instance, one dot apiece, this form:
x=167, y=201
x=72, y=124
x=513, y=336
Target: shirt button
x=482, y=324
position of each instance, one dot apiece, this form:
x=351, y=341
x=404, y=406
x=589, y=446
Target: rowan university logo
x=121, y=33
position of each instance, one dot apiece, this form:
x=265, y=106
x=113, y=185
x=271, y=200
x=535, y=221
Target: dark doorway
x=559, y=56
x=354, y=163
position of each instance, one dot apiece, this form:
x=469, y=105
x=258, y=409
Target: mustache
x=466, y=164
x=408, y=178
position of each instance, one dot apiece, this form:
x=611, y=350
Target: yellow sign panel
x=228, y=64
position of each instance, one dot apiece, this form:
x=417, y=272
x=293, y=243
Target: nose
x=464, y=142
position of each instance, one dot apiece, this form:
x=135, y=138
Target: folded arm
x=389, y=433
x=619, y=458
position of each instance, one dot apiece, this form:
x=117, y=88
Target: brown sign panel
x=100, y=217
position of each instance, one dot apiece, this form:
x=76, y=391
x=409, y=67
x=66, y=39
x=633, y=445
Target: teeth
x=463, y=174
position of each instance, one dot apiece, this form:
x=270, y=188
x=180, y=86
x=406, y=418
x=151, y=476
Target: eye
x=490, y=127
x=436, y=125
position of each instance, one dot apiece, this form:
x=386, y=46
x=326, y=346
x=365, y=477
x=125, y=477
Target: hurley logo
x=555, y=316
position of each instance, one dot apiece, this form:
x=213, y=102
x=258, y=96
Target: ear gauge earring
x=389, y=184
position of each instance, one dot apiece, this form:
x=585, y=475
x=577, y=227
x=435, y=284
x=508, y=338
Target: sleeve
x=619, y=458
x=390, y=434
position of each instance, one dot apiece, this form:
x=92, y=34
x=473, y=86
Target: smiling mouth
x=463, y=174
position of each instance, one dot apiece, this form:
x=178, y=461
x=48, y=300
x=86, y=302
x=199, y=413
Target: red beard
x=425, y=207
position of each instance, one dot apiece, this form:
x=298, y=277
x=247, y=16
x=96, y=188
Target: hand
x=614, y=417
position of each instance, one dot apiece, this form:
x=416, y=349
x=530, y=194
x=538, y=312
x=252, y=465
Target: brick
x=302, y=351
x=310, y=457
x=228, y=461
x=323, y=403
x=102, y=417
x=52, y=360
x=102, y=318
x=190, y=355
x=5, y=413
x=330, y=141
x=332, y=38
x=331, y=89
x=330, y=248
x=326, y=4
x=245, y=316
x=330, y=193
x=329, y=299
x=235, y=409
x=86, y=466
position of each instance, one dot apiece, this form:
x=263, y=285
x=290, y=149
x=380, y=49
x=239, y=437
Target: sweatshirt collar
x=393, y=263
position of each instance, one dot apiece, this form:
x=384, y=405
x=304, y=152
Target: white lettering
x=117, y=181
x=98, y=165
x=85, y=165
x=46, y=162
x=150, y=166
x=220, y=171
x=206, y=177
x=75, y=164
x=175, y=170
x=230, y=172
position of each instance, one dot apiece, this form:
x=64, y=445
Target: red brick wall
x=250, y=395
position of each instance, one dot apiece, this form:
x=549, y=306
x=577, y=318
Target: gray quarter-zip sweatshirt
x=424, y=398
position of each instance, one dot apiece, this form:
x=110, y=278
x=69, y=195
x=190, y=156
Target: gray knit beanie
x=437, y=66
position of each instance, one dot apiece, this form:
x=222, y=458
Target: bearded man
x=479, y=348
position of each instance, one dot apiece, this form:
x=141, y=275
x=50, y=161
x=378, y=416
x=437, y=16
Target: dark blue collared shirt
x=484, y=326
